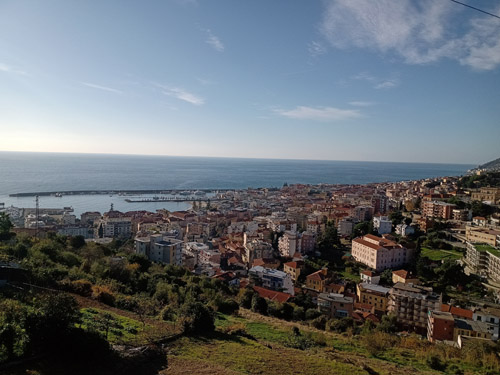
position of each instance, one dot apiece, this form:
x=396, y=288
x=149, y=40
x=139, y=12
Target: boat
x=199, y=192
x=185, y=193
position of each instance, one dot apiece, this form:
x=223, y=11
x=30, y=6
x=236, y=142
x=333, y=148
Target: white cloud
x=419, y=32
x=215, y=42
x=182, y=94
x=10, y=69
x=319, y=113
x=103, y=88
x=361, y=104
x=377, y=82
x=316, y=49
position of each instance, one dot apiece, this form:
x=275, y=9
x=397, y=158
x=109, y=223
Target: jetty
x=174, y=199
x=119, y=192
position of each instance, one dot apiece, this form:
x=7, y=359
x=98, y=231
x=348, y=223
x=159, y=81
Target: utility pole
x=37, y=215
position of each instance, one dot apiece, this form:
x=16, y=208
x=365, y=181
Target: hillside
x=492, y=165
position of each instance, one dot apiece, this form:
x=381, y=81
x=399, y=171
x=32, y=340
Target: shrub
x=319, y=322
x=298, y=313
x=436, y=363
x=82, y=287
x=228, y=306
x=103, y=294
x=312, y=314
x=259, y=304
x=197, y=318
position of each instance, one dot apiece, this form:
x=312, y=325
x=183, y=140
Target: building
x=289, y=244
x=382, y=224
x=482, y=235
x=293, y=269
x=114, y=227
x=370, y=277
x=160, y=249
x=440, y=326
x=363, y=213
x=411, y=305
x=345, y=226
x=379, y=253
x=335, y=305
x=471, y=328
x=317, y=280
x=487, y=194
x=437, y=209
x=405, y=277
x=273, y=279
x=373, y=295
x=483, y=260
x=404, y=230
x=257, y=249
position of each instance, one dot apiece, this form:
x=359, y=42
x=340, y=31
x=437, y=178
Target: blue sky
x=384, y=80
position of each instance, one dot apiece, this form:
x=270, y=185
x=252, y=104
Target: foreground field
x=263, y=348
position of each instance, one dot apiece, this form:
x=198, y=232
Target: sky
x=381, y=80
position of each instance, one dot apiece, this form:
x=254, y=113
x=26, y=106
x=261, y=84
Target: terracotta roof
x=272, y=294
x=368, y=273
x=296, y=264
x=318, y=275
x=464, y=313
x=402, y=273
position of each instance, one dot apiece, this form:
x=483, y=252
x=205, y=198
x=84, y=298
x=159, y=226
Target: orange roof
x=402, y=273
x=318, y=275
x=464, y=313
x=272, y=294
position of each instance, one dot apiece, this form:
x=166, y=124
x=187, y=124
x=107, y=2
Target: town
x=423, y=254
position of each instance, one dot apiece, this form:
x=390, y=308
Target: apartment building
x=482, y=235
x=379, y=253
x=382, y=224
x=160, y=249
x=293, y=269
x=487, y=194
x=373, y=295
x=437, y=209
x=440, y=326
x=335, y=305
x=317, y=280
x=483, y=260
x=273, y=279
x=411, y=305
x=289, y=244
x=257, y=249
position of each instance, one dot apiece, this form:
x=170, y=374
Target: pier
x=173, y=199
x=117, y=192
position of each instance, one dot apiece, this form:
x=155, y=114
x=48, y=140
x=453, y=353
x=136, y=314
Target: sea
x=25, y=172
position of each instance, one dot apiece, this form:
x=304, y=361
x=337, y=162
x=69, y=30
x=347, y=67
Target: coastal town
x=425, y=253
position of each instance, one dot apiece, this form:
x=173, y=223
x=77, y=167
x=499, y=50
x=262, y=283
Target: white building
x=273, y=279
x=160, y=249
x=404, y=230
x=382, y=224
x=289, y=244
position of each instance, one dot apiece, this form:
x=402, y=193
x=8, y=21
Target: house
x=370, y=277
x=471, y=328
x=273, y=279
x=317, y=280
x=273, y=295
x=405, y=277
x=373, y=295
x=158, y=248
x=335, y=305
x=293, y=269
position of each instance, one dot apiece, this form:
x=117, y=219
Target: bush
x=298, y=341
x=82, y=287
x=228, y=306
x=312, y=314
x=298, y=313
x=197, y=318
x=259, y=304
x=319, y=322
x=103, y=294
x=436, y=363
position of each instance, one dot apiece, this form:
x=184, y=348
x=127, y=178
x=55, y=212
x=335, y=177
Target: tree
x=5, y=227
x=197, y=318
x=259, y=304
x=396, y=217
x=388, y=324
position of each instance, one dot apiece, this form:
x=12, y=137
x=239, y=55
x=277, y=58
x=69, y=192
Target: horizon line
x=232, y=157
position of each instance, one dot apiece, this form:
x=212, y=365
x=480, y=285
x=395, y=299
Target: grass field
x=263, y=350
x=437, y=255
